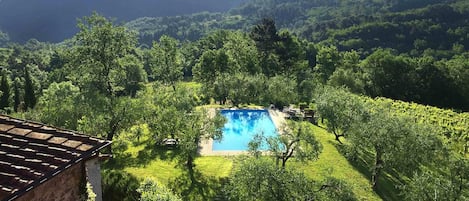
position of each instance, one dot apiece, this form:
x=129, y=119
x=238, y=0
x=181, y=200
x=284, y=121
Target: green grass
x=161, y=170
x=161, y=164
x=332, y=163
x=214, y=166
x=190, y=85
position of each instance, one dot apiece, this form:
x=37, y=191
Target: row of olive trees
x=398, y=143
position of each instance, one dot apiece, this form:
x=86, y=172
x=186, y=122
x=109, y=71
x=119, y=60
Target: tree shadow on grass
x=192, y=185
x=152, y=152
x=388, y=182
x=119, y=161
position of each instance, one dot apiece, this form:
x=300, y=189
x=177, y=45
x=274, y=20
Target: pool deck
x=205, y=146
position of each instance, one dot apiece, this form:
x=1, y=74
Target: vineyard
x=454, y=126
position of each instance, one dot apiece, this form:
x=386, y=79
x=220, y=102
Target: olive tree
x=296, y=139
x=341, y=109
x=396, y=142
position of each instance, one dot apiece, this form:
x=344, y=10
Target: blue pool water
x=240, y=128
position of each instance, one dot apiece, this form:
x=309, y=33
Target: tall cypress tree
x=17, y=94
x=5, y=88
x=29, y=96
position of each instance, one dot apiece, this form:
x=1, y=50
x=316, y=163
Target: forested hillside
x=54, y=20
x=415, y=27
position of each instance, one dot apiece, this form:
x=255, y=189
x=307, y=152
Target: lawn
x=162, y=166
x=332, y=163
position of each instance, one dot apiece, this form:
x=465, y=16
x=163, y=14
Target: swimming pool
x=240, y=128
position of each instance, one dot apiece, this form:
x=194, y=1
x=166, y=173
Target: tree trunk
x=277, y=160
x=113, y=127
x=190, y=163
x=284, y=162
x=109, y=137
x=337, y=138
x=376, y=170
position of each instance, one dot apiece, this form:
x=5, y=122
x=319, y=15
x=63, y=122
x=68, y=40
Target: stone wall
x=62, y=187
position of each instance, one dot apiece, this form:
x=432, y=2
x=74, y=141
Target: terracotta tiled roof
x=31, y=153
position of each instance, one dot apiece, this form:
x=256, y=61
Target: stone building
x=40, y=162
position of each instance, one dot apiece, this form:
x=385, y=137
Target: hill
x=55, y=20
x=411, y=26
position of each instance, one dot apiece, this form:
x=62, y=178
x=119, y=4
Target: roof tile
x=19, y=131
x=5, y=127
x=72, y=143
x=39, y=136
x=57, y=140
x=84, y=147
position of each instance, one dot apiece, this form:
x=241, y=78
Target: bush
x=119, y=185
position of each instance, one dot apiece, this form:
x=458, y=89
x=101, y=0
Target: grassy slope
x=334, y=164
x=330, y=163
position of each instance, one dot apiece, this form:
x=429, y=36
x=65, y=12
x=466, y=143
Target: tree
x=211, y=64
x=5, y=88
x=341, y=109
x=150, y=190
x=258, y=179
x=390, y=76
x=392, y=139
x=198, y=126
x=334, y=189
x=166, y=61
x=458, y=71
x=17, y=94
x=173, y=114
x=60, y=105
x=348, y=74
x=450, y=182
x=292, y=54
x=435, y=85
x=134, y=77
x=242, y=53
x=29, y=94
x=280, y=90
x=266, y=37
x=100, y=61
x=119, y=185
x=165, y=110
x=245, y=88
x=98, y=47
x=295, y=140
x=327, y=60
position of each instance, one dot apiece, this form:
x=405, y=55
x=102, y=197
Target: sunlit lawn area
x=334, y=164
x=165, y=170
x=331, y=163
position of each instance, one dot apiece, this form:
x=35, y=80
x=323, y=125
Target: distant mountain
x=55, y=20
